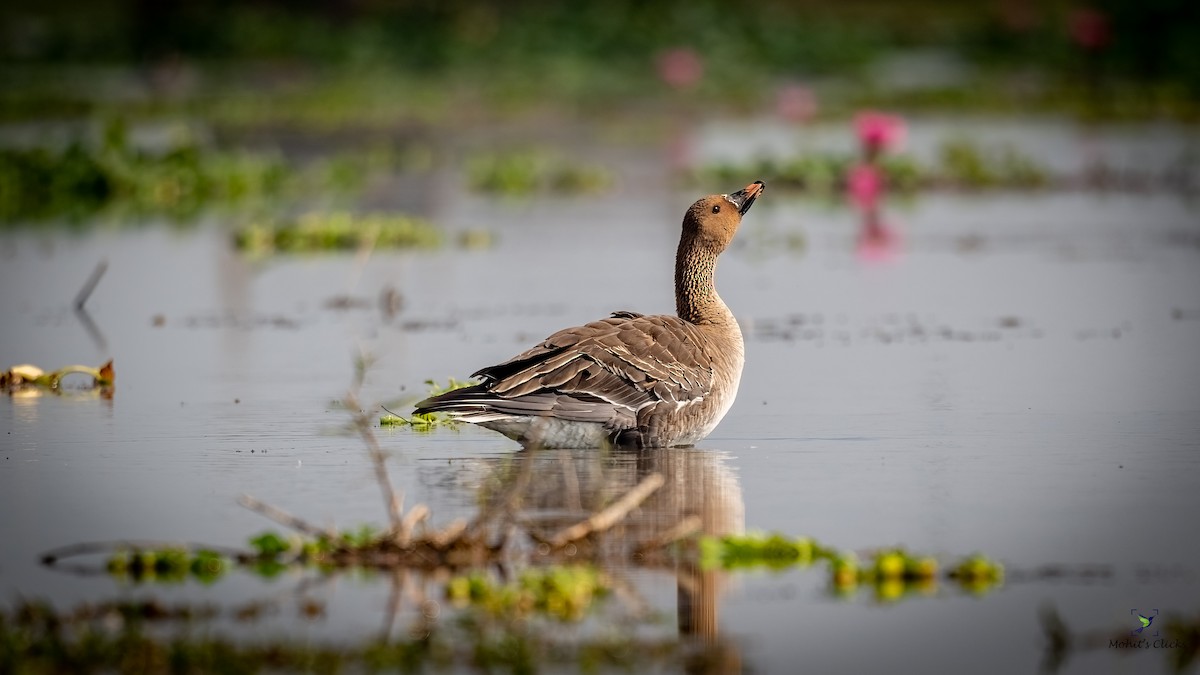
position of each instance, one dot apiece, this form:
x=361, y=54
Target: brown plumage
x=629, y=379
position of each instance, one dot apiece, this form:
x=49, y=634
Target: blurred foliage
x=167, y=565
x=179, y=179
x=564, y=592
x=335, y=231
x=149, y=636
x=590, y=51
x=961, y=163
x=524, y=172
x=440, y=37
x=773, y=551
x=891, y=573
x=82, y=178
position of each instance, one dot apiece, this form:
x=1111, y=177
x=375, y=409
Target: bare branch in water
x=393, y=501
x=284, y=518
x=684, y=528
x=89, y=547
x=85, y=291
x=610, y=515
x=415, y=515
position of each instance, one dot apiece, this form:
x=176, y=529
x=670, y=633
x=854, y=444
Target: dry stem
x=610, y=515
x=284, y=518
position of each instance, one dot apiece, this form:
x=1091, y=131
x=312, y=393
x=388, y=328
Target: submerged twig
x=393, y=501
x=610, y=515
x=52, y=556
x=415, y=515
x=510, y=502
x=89, y=285
x=284, y=518
x=686, y=527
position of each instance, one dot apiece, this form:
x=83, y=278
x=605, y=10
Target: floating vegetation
x=773, y=551
x=428, y=421
x=166, y=565
x=339, y=230
x=891, y=572
x=977, y=573
x=27, y=377
x=179, y=180
x=564, y=592
x=526, y=172
x=152, y=636
x=962, y=164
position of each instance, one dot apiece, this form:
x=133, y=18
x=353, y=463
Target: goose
x=629, y=380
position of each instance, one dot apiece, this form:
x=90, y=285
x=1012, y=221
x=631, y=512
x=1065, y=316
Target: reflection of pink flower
x=1090, y=29
x=864, y=185
x=879, y=131
x=877, y=241
x=680, y=68
x=795, y=103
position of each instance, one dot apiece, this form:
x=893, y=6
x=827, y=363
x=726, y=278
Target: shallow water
x=1007, y=373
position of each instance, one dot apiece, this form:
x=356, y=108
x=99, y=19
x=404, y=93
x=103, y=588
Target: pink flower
x=680, y=68
x=1090, y=29
x=864, y=185
x=795, y=103
x=879, y=131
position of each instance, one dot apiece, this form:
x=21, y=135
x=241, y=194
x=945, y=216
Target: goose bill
x=743, y=199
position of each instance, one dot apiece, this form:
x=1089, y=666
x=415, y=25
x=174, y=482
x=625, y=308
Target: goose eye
x=717, y=208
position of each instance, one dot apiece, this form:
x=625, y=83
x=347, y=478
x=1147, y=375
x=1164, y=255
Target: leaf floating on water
x=28, y=377
x=19, y=375
x=106, y=373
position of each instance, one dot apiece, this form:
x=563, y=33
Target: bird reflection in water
x=866, y=185
x=563, y=487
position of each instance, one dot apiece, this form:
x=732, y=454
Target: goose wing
x=605, y=371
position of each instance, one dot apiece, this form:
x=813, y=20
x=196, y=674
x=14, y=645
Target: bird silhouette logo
x=1145, y=621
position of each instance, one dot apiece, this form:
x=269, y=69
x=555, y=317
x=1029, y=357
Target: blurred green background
x=180, y=107
x=1113, y=58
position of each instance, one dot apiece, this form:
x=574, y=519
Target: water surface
x=1008, y=373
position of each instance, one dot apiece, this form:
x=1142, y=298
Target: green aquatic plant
x=564, y=592
x=339, y=230
x=524, y=172
x=428, y=421
x=178, y=180
x=977, y=574
x=150, y=635
x=961, y=163
x=166, y=565
x=894, y=573
x=890, y=572
x=759, y=550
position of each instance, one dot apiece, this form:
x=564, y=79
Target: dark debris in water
x=1174, y=638
x=231, y=320
x=892, y=328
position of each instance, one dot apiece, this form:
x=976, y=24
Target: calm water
x=1013, y=373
